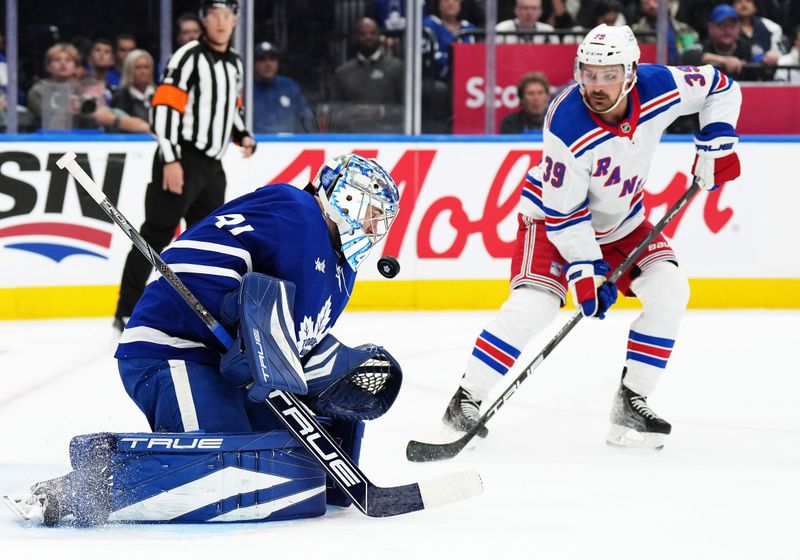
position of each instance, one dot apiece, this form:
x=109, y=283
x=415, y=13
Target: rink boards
x=454, y=236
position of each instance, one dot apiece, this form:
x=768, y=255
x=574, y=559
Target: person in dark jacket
x=534, y=97
x=278, y=103
x=368, y=89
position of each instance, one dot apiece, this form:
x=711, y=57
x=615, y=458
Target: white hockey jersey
x=589, y=186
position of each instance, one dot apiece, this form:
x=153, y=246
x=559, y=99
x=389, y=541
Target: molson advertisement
x=60, y=256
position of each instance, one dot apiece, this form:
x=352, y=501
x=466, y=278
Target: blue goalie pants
x=186, y=396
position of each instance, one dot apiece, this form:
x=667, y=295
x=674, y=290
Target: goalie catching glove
x=590, y=291
x=716, y=161
x=346, y=383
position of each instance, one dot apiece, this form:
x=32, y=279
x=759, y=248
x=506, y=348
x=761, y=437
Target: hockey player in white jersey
x=581, y=214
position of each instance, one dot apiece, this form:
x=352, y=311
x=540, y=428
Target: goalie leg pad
x=358, y=383
x=266, y=349
x=190, y=478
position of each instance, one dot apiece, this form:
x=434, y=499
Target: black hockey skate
x=633, y=422
x=463, y=413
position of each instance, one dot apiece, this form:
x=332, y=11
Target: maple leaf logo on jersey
x=312, y=332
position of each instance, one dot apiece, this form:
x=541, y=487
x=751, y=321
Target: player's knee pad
x=663, y=290
x=346, y=383
x=192, y=477
x=527, y=311
x=265, y=350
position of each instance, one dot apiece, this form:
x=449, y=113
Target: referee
x=196, y=110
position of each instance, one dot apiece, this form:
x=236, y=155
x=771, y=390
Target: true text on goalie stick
x=372, y=500
x=419, y=451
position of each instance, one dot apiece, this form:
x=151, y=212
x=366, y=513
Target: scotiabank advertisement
x=767, y=107
x=512, y=62
x=457, y=219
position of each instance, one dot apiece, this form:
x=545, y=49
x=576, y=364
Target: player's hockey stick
x=372, y=500
x=419, y=451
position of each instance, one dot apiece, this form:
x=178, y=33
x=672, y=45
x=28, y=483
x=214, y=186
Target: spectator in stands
x=188, y=28
x=278, y=103
x=368, y=89
x=60, y=102
x=680, y=36
x=137, y=86
x=52, y=101
x=725, y=48
x=123, y=44
x=101, y=63
x=792, y=58
x=526, y=24
x=534, y=97
x=444, y=23
x=765, y=36
x=94, y=114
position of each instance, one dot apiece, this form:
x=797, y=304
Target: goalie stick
x=419, y=451
x=374, y=501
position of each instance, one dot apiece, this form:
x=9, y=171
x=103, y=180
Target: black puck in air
x=388, y=266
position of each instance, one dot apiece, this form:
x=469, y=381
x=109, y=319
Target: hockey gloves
x=715, y=162
x=590, y=291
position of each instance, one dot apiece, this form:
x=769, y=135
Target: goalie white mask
x=609, y=46
x=361, y=198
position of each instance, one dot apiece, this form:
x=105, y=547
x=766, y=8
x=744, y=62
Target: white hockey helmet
x=607, y=45
x=361, y=198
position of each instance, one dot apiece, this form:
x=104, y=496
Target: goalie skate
x=41, y=505
x=634, y=424
x=463, y=413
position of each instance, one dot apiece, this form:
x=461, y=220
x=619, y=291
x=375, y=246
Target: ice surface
x=727, y=484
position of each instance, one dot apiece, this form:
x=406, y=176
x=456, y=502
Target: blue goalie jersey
x=277, y=230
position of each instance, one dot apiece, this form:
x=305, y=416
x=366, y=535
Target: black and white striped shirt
x=199, y=102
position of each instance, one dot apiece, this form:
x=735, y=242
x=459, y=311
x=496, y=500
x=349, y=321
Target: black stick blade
x=421, y=452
